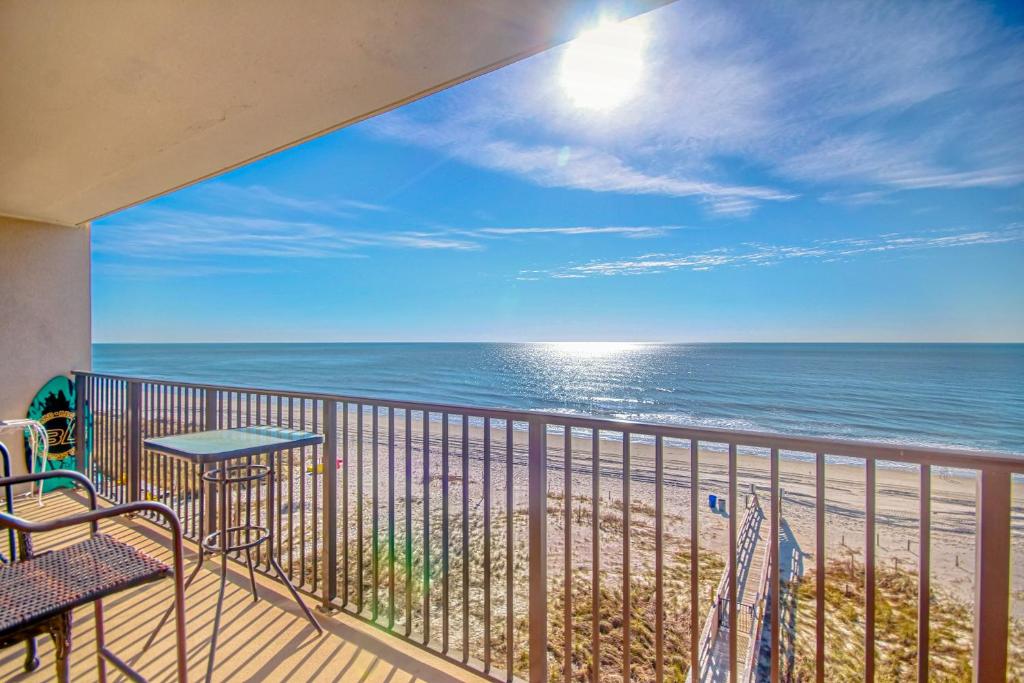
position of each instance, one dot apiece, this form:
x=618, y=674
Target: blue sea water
x=960, y=395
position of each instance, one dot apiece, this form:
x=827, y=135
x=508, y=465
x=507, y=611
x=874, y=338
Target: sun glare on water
x=604, y=66
x=590, y=349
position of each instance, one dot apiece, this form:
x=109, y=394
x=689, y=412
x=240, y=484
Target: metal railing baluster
x=360, y=587
x=595, y=560
x=567, y=615
x=116, y=462
x=131, y=403
x=113, y=467
x=509, y=564
x=694, y=559
x=924, y=572
x=445, y=618
x=317, y=481
x=869, y=572
x=279, y=483
x=426, y=526
x=374, y=522
x=291, y=492
x=659, y=558
x=732, y=568
x=774, y=585
x=175, y=491
x=819, y=560
x=265, y=550
x=408, y=523
x=302, y=498
x=538, y=524
x=487, y=544
x=391, y=518
x=330, y=479
x=465, y=538
x=120, y=455
x=627, y=610
x=345, y=465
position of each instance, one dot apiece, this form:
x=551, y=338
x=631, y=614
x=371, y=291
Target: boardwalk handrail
x=712, y=621
x=752, y=656
x=341, y=527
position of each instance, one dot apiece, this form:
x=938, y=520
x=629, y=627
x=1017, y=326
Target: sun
x=604, y=66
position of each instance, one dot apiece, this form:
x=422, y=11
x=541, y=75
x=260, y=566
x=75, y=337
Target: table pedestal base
x=219, y=542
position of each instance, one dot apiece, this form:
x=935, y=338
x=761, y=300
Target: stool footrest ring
x=237, y=474
x=254, y=535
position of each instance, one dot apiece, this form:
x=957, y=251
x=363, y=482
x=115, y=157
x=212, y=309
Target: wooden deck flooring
x=268, y=640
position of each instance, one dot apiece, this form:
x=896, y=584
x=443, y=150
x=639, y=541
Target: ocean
x=957, y=395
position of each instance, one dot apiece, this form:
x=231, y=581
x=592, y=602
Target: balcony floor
x=269, y=640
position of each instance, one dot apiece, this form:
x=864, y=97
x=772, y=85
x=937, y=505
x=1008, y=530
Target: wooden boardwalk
x=751, y=558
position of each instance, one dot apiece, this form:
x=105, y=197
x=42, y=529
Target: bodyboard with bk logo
x=54, y=407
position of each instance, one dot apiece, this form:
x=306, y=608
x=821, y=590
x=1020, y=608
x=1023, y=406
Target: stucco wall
x=45, y=316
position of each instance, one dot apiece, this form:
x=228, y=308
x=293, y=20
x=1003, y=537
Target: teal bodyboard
x=54, y=407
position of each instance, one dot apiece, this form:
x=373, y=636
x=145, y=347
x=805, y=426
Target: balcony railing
x=535, y=545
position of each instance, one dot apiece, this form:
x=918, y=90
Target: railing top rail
x=867, y=450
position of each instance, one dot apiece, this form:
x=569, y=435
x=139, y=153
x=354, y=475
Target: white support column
x=44, y=312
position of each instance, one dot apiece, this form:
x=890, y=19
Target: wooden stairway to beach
x=752, y=545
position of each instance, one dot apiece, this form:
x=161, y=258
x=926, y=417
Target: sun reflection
x=590, y=349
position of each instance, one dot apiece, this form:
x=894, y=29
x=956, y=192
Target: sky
x=708, y=171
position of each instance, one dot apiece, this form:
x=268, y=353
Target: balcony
x=453, y=543
x=269, y=640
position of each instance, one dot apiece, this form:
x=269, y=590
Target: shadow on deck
x=266, y=640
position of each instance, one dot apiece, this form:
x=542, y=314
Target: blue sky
x=786, y=172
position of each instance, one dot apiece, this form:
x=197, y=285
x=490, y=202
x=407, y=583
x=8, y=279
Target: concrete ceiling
x=104, y=104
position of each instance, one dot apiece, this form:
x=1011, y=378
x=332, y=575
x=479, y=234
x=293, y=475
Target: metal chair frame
x=92, y=518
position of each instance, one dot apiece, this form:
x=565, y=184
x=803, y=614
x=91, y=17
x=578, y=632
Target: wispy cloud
x=177, y=235
x=855, y=100
x=184, y=234
x=756, y=254
x=858, y=198
x=891, y=164
x=258, y=197
x=574, y=167
x=632, y=232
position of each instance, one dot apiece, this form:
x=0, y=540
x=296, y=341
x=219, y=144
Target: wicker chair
x=39, y=592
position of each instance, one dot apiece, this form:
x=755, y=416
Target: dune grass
x=642, y=615
x=896, y=654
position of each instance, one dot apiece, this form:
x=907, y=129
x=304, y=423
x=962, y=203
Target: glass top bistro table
x=213, y=452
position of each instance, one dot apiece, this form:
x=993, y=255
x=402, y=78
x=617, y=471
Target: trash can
x=721, y=505
x=712, y=499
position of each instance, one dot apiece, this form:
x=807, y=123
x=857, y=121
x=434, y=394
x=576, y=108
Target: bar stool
x=232, y=539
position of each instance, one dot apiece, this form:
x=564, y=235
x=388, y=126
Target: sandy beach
x=953, y=499
x=897, y=527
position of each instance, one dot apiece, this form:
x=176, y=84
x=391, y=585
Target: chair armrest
x=55, y=474
x=92, y=517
